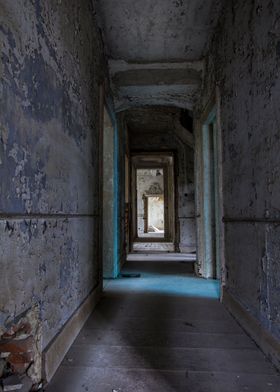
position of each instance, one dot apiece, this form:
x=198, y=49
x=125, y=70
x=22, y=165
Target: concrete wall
x=49, y=120
x=244, y=62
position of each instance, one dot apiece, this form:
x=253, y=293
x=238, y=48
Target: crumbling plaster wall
x=244, y=62
x=151, y=141
x=51, y=67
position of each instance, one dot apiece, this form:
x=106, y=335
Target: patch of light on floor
x=170, y=285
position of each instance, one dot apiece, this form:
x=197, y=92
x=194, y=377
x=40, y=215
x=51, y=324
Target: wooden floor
x=163, y=331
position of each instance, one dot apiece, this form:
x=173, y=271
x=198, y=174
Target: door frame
x=137, y=162
x=113, y=267
x=207, y=195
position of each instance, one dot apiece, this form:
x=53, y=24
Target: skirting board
x=185, y=248
x=267, y=343
x=57, y=349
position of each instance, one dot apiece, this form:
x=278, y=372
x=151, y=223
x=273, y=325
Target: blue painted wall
x=52, y=65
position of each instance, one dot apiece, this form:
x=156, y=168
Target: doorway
x=150, y=203
x=152, y=189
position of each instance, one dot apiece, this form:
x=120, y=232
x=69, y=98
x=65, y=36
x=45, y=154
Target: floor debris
x=12, y=383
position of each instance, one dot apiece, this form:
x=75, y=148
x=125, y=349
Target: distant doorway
x=152, y=189
x=150, y=203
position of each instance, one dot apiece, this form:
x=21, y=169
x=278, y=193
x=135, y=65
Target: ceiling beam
x=116, y=66
x=137, y=84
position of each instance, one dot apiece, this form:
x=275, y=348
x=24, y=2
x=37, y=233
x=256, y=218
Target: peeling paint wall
x=50, y=70
x=245, y=61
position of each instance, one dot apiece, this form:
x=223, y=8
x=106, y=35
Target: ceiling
x=156, y=48
x=147, y=120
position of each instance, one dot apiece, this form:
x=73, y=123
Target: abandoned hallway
x=139, y=195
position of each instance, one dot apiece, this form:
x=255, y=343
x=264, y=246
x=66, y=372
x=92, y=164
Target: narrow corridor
x=136, y=126
x=163, y=331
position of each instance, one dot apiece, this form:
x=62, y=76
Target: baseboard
x=58, y=347
x=267, y=343
x=185, y=248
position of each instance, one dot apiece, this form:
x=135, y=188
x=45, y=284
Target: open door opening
x=150, y=203
x=152, y=188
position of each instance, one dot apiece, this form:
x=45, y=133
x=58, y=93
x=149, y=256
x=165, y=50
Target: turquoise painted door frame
x=111, y=222
x=210, y=198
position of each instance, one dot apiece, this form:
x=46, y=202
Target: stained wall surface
x=49, y=119
x=245, y=54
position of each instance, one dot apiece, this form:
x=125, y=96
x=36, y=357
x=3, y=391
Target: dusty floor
x=165, y=331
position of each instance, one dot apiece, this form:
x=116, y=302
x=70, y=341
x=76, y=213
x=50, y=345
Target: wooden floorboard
x=165, y=331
